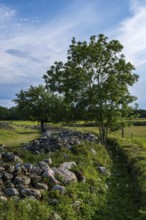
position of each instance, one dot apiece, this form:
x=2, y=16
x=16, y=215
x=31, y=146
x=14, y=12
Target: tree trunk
x=42, y=126
x=123, y=132
x=103, y=134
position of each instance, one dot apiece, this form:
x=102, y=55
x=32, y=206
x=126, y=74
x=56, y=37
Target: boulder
x=55, y=216
x=102, y=170
x=48, y=161
x=36, y=170
x=9, y=168
x=41, y=186
x=2, y=147
x=67, y=165
x=28, y=166
x=25, y=180
x=35, y=179
x=2, y=169
x=11, y=192
x=30, y=192
x=3, y=199
x=7, y=176
x=17, y=159
x=60, y=188
x=93, y=151
x=43, y=165
x=65, y=175
x=49, y=174
x=9, y=184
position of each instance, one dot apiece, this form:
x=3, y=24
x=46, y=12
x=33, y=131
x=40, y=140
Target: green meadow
x=21, y=133
x=120, y=195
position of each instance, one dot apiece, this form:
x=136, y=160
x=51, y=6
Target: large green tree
x=95, y=79
x=37, y=104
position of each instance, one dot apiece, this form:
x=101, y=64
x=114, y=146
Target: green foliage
x=95, y=81
x=37, y=104
x=25, y=210
x=3, y=113
x=135, y=155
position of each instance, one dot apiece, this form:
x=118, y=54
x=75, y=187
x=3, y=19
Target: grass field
x=101, y=196
x=20, y=134
x=134, y=134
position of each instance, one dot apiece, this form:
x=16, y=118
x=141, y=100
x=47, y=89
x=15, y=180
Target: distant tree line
x=141, y=113
x=10, y=113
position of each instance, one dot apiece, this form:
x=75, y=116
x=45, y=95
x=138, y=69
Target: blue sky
x=35, y=33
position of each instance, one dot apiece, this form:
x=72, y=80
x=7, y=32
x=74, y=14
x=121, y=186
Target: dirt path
x=121, y=202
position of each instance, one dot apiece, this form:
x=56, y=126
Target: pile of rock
x=20, y=180
x=9, y=157
x=51, y=141
x=6, y=125
x=25, y=179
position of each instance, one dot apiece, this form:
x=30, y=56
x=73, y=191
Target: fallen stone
x=102, y=169
x=3, y=199
x=60, y=188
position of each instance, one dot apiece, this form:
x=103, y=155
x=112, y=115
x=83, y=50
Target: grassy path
x=121, y=202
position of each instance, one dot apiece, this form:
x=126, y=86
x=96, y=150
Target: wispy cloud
x=132, y=34
x=6, y=13
x=132, y=31
x=28, y=46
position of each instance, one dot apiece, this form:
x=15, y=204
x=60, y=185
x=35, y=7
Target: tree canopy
x=37, y=104
x=95, y=80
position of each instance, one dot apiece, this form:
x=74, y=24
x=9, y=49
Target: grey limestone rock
x=102, y=169
x=67, y=165
x=30, y=192
x=28, y=166
x=62, y=189
x=3, y=199
x=41, y=186
x=11, y=192
x=7, y=176
x=25, y=180
x=43, y=165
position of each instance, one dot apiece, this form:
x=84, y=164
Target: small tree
x=37, y=104
x=96, y=79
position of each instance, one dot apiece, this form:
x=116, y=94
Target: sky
x=36, y=33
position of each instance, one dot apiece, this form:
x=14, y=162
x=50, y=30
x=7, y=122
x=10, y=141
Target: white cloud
x=132, y=34
x=6, y=13
x=36, y=47
x=28, y=48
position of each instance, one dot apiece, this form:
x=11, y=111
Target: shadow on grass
x=27, y=132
